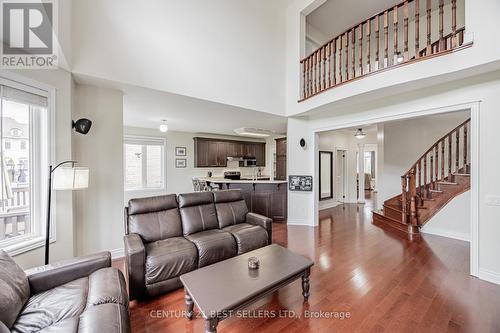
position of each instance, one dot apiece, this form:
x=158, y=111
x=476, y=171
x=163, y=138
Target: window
x=24, y=137
x=144, y=163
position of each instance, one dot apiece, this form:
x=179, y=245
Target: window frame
x=144, y=141
x=25, y=243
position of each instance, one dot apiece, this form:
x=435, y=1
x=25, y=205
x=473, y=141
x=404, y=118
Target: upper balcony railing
x=383, y=41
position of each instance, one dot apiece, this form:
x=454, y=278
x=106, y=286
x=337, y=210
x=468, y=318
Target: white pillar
x=361, y=163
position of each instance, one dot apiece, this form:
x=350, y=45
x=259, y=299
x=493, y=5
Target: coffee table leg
x=189, y=305
x=211, y=325
x=305, y=285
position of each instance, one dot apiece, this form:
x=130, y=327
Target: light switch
x=492, y=200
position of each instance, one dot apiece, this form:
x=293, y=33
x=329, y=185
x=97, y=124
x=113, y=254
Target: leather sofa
x=83, y=294
x=167, y=236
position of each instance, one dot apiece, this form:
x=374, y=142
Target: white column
x=361, y=163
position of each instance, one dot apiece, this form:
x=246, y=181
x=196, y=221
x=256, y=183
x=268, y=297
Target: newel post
x=403, y=198
x=413, y=199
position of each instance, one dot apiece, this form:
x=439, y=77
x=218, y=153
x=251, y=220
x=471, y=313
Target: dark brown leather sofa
x=167, y=236
x=83, y=294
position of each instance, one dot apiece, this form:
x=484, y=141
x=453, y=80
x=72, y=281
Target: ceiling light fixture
x=164, y=126
x=359, y=134
x=257, y=132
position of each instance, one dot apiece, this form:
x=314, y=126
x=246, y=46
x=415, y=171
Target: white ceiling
x=143, y=107
x=335, y=16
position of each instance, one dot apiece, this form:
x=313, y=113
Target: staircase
x=408, y=32
x=438, y=176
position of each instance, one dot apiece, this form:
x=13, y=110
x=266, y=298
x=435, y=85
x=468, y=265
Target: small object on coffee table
x=279, y=268
x=253, y=263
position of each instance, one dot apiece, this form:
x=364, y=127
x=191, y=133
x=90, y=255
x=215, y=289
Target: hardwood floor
x=386, y=283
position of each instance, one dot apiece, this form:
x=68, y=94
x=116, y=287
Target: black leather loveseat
x=83, y=294
x=167, y=236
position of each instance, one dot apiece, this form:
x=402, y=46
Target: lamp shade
x=70, y=178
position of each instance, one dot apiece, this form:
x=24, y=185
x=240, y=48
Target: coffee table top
x=228, y=284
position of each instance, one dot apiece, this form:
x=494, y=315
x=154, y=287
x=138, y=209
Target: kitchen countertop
x=220, y=180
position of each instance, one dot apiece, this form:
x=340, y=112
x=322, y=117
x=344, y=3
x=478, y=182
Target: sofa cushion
x=197, y=212
x=109, y=318
x=248, y=237
x=169, y=258
x=14, y=289
x=154, y=218
x=213, y=246
x=53, y=306
x=231, y=207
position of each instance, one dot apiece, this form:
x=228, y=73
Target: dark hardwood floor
x=386, y=282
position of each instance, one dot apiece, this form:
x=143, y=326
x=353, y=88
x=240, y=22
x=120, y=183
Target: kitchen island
x=265, y=197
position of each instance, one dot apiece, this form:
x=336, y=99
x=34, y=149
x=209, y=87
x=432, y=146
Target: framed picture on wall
x=300, y=183
x=180, y=151
x=180, y=163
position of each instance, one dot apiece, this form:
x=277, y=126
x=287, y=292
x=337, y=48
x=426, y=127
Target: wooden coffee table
x=229, y=285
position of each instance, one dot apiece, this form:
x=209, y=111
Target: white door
x=340, y=169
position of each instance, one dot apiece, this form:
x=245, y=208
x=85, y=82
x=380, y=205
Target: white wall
x=453, y=220
x=480, y=23
x=63, y=247
x=482, y=89
x=225, y=51
x=179, y=179
x=405, y=141
x=99, y=208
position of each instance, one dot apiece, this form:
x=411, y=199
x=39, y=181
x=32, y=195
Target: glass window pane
x=15, y=209
x=154, y=167
x=133, y=166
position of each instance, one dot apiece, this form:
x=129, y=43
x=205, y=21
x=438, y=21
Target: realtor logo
x=27, y=34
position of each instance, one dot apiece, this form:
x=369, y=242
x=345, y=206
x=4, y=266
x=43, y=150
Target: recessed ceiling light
x=359, y=134
x=261, y=133
x=164, y=126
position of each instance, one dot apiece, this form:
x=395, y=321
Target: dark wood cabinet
x=214, y=152
x=268, y=199
x=280, y=159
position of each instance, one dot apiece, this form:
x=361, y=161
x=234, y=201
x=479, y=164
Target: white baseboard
x=446, y=233
x=328, y=205
x=297, y=222
x=117, y=253
x=490, y=276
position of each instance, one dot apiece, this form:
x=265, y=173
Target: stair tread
x=381, y=213
x=446, y=183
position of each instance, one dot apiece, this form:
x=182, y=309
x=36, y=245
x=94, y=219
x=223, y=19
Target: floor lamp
x=66, y=178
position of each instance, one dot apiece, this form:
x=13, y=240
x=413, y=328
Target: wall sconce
x=82, y=125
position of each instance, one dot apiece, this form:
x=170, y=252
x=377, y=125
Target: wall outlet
x=492, y=200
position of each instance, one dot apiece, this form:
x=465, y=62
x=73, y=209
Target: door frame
x=344, y=174
x=362, y=119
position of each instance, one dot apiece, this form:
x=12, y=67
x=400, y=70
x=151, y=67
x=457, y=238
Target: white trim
x=329, y=204
x=474, y=211
x=301, y=222
x=367, y=118
x=446, y=233
x=117, y=253
x=490, y=276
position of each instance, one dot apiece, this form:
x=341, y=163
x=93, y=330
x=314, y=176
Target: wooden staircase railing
x=367, y=47
x=438, y=165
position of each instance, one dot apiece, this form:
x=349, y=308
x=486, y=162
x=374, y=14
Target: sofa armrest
x=135, y=259
x=50, y=276
x=264, y=222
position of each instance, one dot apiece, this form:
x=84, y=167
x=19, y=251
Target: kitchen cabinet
x=261, y=197
x=280, y=159
x=214, y=152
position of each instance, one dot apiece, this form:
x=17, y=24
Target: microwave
x=248, y=162
x=244, y=161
